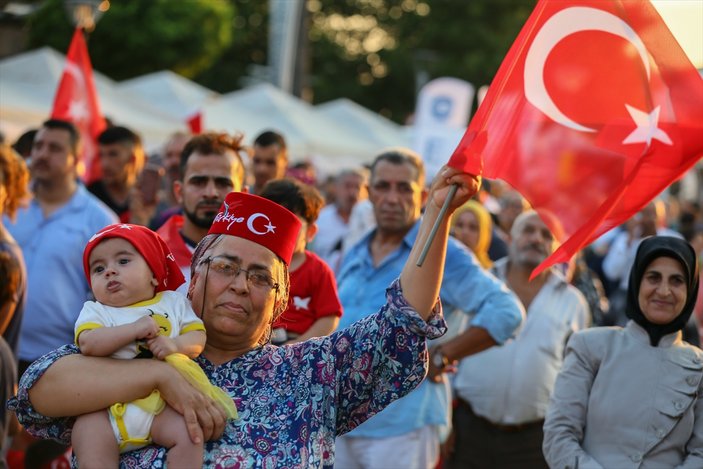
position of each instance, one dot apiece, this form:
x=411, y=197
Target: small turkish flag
x=594, y=111
x=77, y=101
x=195, y=122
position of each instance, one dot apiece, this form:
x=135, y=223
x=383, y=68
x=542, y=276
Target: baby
x=136, y=314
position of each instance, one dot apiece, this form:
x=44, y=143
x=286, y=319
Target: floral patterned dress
x=292, y=401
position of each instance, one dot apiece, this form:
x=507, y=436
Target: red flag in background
x=195, y=122
x=594, y=111
x=77, y=101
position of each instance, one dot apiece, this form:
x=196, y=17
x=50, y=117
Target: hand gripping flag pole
x=442, y=212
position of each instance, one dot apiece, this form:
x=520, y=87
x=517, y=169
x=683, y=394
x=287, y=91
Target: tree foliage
x=422, y=40
x=378, y=52
x=141, y=36
x=249, y=48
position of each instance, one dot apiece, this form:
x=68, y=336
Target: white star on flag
x=270, y=228
x=647, y=129
x=78, y=110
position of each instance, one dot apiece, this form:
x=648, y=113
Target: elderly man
x=52, y=232
x=350, y=188
x=407, y=434
x=210, y=168
x=503, y=393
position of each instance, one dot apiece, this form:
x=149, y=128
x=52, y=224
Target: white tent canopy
x=28, y=83
x=169, y=92
x=309, y=135
x=363, y=123
x=336, y=135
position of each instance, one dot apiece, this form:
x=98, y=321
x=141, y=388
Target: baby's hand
x=162, y=346
x=146, y=328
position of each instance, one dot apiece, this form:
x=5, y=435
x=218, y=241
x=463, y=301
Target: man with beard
x=52, y=232
x=503, y=392
x=210, y=169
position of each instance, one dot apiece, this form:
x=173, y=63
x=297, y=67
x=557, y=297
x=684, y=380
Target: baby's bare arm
x=104, y=341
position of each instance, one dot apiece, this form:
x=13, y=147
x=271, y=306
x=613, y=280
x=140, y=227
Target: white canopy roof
x=309, y=135
x=28, y=84
x=169, y=92
x=336, y=135
x=363, y=123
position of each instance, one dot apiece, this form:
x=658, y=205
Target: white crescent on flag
x=562, y=24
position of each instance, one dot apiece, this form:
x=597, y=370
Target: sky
x=685, y=20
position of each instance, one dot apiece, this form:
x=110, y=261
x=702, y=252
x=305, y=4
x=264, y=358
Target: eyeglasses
x=227, y=269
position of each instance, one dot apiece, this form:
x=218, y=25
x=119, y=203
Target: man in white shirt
x=503, y=392
x=333, y=222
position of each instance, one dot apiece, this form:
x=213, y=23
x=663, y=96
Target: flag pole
x=442, y=212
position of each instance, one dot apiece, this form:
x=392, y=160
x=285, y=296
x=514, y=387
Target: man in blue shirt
x=52, y=233
x=408, y=432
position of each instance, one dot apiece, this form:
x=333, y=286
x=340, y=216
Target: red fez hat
x=259, y=220
x=149, y=244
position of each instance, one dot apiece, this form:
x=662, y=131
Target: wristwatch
x=439, y=359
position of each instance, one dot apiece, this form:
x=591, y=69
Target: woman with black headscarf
x=633, y=396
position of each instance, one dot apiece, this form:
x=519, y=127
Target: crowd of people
x=331, y=348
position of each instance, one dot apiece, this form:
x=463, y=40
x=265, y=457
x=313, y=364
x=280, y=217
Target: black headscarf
x=648, y=250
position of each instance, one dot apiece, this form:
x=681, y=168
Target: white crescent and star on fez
x=269, y=227
x=569, y=21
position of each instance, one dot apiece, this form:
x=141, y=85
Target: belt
x=497, y=426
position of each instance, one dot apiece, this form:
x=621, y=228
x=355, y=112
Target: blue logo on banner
x=441, y=107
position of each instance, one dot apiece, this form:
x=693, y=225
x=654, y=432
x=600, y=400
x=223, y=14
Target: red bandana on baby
x=149, y=244
x=259, y=220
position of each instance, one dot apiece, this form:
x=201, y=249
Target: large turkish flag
x=594, y=112
x=77, y=101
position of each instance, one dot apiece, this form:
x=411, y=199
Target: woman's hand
x=421, y=282
x=468, y=186
x=204, y=418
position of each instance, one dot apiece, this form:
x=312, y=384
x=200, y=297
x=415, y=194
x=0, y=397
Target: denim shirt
x=53, y=253
x=466, y=287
